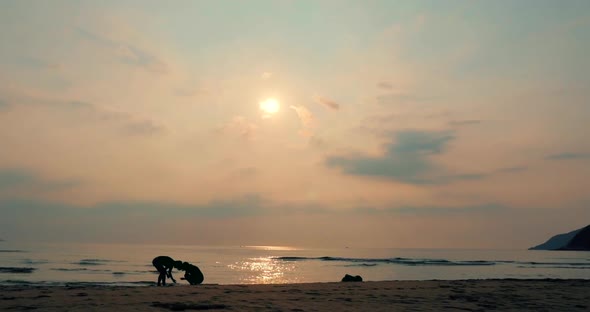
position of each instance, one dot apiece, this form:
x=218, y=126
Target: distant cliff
x=574, y=240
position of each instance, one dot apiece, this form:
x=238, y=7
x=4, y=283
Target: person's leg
x=159, y=269
x=162, y=275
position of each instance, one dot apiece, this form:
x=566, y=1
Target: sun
x=270, y=106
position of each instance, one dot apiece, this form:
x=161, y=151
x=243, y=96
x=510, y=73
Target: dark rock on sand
x=574, y=240
x=350, y=278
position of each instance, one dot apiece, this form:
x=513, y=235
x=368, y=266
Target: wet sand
x=467, y=295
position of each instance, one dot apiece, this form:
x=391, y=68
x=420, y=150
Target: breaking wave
x=397, y=260
x=437, y=262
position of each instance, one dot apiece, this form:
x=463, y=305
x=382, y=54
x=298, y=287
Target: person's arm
x=170, y=274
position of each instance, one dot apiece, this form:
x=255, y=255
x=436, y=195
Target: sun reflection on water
x=264, y=270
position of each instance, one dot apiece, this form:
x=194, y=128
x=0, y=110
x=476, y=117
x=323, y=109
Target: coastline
x=434, y=295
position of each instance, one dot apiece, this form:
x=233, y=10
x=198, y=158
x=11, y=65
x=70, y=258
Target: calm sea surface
x=58, y=264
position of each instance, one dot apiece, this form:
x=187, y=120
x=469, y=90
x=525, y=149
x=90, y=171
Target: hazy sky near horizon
x=400, y=123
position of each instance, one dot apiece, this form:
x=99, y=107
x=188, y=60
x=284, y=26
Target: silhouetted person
x=192, y=274
x=164, y=265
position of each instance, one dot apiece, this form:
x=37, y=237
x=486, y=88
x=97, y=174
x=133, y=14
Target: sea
x=126, y=264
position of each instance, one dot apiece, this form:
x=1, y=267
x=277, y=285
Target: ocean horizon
x=130, y=264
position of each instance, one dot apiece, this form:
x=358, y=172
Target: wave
x=16, y=270
x=361, y=265
x=11, y=250
x=95, y=261
x=554, y=267
x=397, y=260
x=69, y=270
x=80, y=270
x=532, y=263
x=32, y=261
x=367, y=262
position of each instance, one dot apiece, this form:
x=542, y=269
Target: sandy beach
x=467, y=295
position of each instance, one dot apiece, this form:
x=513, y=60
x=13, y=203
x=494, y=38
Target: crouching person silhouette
x=192, y=274
x=164, y=265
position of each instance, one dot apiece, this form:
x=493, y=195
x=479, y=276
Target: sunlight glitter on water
x=264, y=270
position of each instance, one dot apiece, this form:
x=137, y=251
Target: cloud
x=465, y=122
x=39, y=63
x=12, y=179
x=192, y=91
x=512, y=169
x=406, y=158
x=326, y=102
x=3, y=105
x=434, y=210
x=399, y=97
x=266, y=75
x=317, y=142
x=246, y=172
x=127, y=122
x=385, y=85
x=126, y=53
x=241, y=127
x=93, y=111
x=143, y=128
x=247, y=205
x=127, y=220
x=306, y=118
x=568, y=156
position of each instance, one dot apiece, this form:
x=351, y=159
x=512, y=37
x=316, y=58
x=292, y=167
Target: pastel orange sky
x=399, y=123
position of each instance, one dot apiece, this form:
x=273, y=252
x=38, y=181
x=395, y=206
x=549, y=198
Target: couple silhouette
x=165, y=264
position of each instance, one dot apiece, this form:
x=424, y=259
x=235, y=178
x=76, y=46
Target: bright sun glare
x=270, y=106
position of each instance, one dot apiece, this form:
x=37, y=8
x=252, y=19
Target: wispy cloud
x=385, y=85
x=126, y=53
x=12, y=179
x=465, y=122
x=241, y=127
x=3, y=105
x=399, y=97
x=129, y=123
x=326, y=102
x=434, y=210
x=512, y=169
x=568, y=156
x=143, y=128
x=247, y=172
x=306, y=118
x=39, y=63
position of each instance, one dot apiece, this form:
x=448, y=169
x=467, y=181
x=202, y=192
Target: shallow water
x=58, y=264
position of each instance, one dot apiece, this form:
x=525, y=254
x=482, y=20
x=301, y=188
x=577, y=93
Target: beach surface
x=464, y=295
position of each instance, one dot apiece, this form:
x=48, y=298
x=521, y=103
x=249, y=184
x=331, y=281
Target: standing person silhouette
x=164, y=265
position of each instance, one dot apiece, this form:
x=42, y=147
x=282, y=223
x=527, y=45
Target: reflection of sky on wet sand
x=264, y=270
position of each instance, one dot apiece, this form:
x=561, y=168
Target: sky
x=405, y=124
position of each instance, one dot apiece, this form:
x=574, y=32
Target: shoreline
x=133, y=284
x=433, y=295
